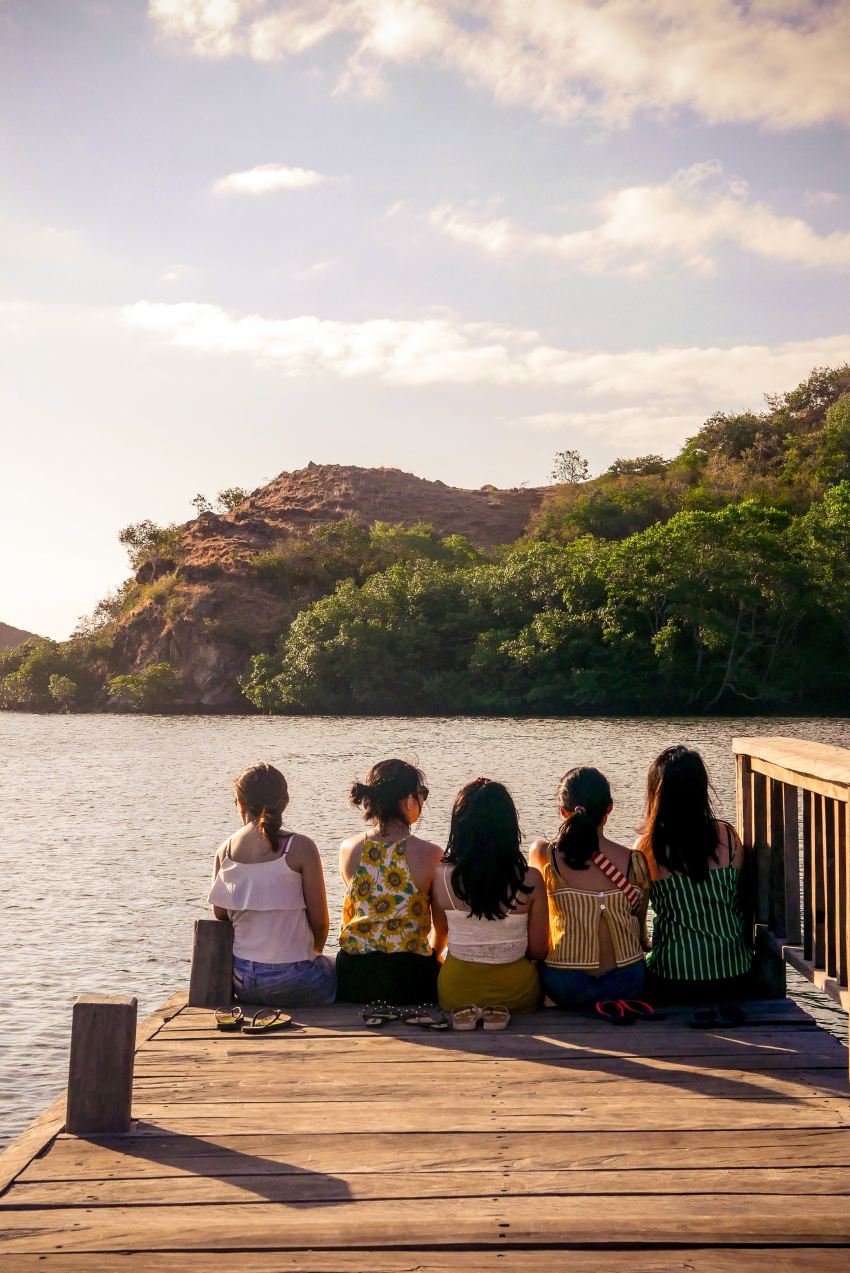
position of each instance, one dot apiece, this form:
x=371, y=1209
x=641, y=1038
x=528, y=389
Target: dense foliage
x=745, y=607
x=717, y=581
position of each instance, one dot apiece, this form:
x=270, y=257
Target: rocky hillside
x=203, y=605
x=10, y=637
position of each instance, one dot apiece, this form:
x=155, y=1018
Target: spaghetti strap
x=285, y=848
x=730, y=843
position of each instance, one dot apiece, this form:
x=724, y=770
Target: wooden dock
x=563, y=1143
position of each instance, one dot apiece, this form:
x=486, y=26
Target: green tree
x=153, y=689
x=62, y=690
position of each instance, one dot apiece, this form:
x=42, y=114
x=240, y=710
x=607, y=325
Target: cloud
x=267, y=178
x=771, y=62
x=646, y=428
x=686, y=219
x=443, y=350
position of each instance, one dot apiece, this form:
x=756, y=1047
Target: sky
x=452, y=238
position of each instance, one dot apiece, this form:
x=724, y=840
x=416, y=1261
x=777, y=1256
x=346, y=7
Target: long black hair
x=585, y=795
x=484, y=848
x=681, y=824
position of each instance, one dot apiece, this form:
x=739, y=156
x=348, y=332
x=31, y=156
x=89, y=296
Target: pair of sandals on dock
x=262, y=1021
x=432, y=1017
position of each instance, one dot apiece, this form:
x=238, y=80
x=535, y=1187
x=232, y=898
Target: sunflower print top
x=383, y=909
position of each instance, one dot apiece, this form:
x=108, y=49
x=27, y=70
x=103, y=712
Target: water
x=110, y=824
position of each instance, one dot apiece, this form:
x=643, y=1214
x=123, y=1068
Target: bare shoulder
x=538, y=850
x=301, y=850
x=534, y=879
x=618, y=853
x=433, y=852
x=352, y=842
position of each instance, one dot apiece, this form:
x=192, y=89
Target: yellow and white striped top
x=575, y=914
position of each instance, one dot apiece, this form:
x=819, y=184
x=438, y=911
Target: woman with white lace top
x=493, y=903
x=269, y=883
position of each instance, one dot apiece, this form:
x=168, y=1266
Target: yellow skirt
x=516, y=985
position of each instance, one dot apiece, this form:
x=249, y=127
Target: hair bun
x=359, y=792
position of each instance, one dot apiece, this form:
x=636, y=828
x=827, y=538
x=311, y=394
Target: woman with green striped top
x=701, y=943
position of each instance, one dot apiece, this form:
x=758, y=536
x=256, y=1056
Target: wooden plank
x=762, y=848
x=679, y=1260
x=503, y=1114
x=466, y=1083
x=781, y=1219
x=841, y=905
x=166, y=1156
x=818, y=786
x=792, y=931
x=776, y=842
x=831, y=810
x=808, y=759
x=818, y=883
x=306, y=1186
x=808, y=875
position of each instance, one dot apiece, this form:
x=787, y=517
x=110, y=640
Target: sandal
x=265, y=1020
x=619, y=1016
x=642, y=1010
x=229, y=1019
x=466, y=1018
x=496, y=1018
x=428, y=1015
x=379, y=1013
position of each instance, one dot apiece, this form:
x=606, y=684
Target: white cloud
x=639, y=428
x=267, y=178
x=772, y=62
x=685, y=219
x=442, y=350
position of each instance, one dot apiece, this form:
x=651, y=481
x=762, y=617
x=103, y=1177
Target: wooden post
x=791, y=852
x=100, y=1077
x=211, y=979
x=776, y=841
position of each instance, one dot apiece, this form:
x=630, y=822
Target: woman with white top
x=493, y=903
x=269, y=883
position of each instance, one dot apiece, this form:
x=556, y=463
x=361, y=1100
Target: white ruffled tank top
x=265, y=901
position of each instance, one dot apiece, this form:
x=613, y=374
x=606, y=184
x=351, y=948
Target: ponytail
x=270, y=822
x=585, y=796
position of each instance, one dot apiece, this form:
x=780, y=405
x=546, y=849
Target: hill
x=718, y=580
x=10, y=637
x=206, y=595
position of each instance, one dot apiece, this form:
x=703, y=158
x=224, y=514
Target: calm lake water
x=110, y=824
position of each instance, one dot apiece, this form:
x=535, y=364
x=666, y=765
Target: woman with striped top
x=597, y=894
x=701, y=948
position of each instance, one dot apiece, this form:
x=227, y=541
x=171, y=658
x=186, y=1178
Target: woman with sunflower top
x=384, y=947
x=493, y=905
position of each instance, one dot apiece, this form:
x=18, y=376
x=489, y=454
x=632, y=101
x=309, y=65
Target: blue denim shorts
x=572, y=988
x=309, y=983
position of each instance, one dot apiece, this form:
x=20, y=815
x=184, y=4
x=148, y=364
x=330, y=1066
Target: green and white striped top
x=699, y=932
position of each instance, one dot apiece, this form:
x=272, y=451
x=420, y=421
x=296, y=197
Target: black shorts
x=397, y=978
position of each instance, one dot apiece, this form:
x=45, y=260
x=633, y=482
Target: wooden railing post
x=211, y=978
x=100, y=1075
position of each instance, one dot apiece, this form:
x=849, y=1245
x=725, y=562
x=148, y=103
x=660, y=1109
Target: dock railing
x=793, y=812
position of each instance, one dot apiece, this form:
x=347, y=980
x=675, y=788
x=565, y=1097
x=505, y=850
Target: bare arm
x=303, y=856
x=439, y=921
x=537, y=854
x=218, y=911
x=349, y=857
x=538, y=917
